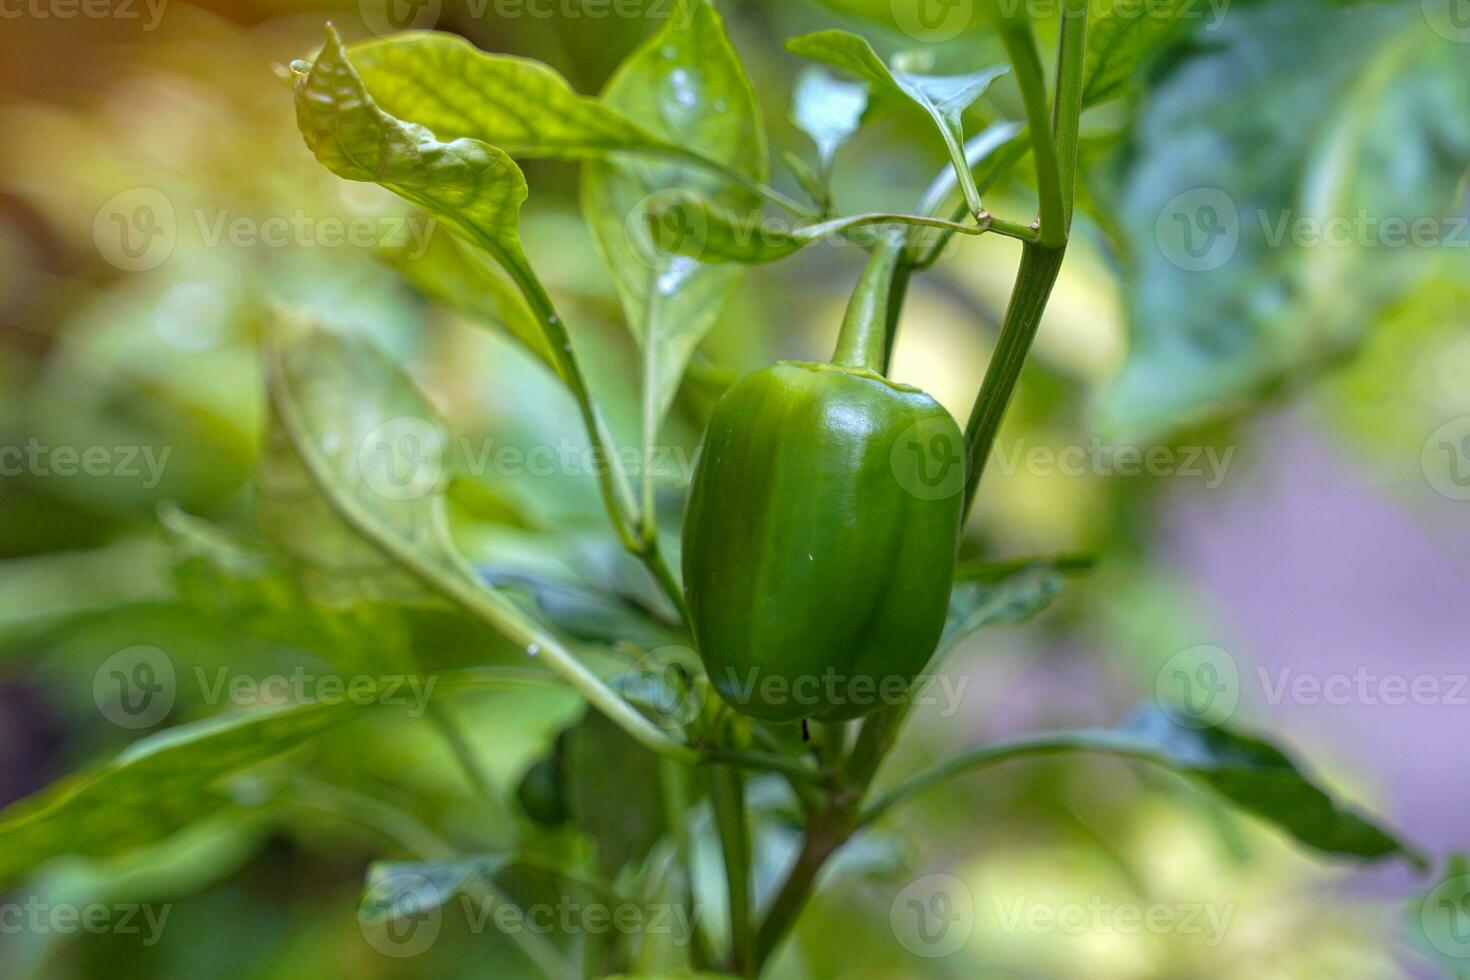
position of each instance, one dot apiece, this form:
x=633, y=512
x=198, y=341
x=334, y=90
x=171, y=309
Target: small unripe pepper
x=822, y=526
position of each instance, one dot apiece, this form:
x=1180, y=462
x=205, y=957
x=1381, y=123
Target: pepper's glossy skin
x=820, y=539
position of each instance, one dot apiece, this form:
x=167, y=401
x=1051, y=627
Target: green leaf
x=399, y=889
x=584, y=613
x=614, y=793
x=249, y=592
x=43, y=591
x=523, y=107
x=461, y=277
x=682, y=222
x=367, y=499
x=828, y=110
x=688, y=85
x=1256, y=776
x=943, y=98
x=351, y=444
x=990, y=593
x=1249, y=772
x=1121, y=35
x=168, y=780
x=473, y=186
x=1258, y=243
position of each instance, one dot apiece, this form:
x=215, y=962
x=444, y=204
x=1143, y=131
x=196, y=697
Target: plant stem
x=729, y=173
x=864, y=336
x=1034, y=746
x=998, y=167
x=1067, y=106
x=617, y=495
x=825, y=833
x=727, y=794
x=1020, y=45
x=1038, y=273
x=449, y=727
x=898, y=289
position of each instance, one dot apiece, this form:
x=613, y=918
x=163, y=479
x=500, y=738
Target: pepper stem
x=863, y=342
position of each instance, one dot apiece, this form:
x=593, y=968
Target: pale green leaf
x=686, y=83
x=399, y=889
x=943, y=98
x=351, y=443
x=465, y=280
x=827, y=109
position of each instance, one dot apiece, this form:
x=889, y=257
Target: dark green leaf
x=161, y=783
x=584, y=613
x=1257, y=777
x=1262, y=184
x=613, y=791
x=1125, y=33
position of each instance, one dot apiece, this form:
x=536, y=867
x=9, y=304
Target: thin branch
x=1020, y=45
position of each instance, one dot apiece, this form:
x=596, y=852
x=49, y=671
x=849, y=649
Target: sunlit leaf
x=687, y=83
x=682, y=222
x=523, y=107
x=943, y=97
x=827, y=109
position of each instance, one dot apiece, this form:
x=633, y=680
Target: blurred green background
x=1305, y=394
